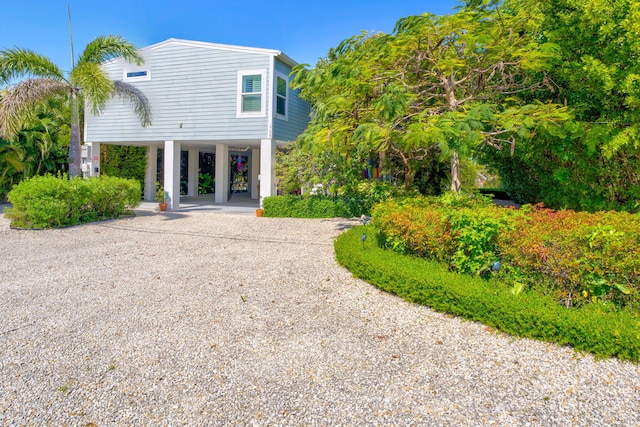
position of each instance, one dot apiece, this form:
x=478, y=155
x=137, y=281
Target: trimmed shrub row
x=593, y=328
x=50, y=201
x=303, y=207
x=576, y=257
x=350, y=201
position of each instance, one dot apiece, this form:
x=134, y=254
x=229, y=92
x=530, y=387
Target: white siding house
x=204, y=97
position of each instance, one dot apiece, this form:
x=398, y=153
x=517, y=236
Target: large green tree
x=86, y=80
x=593, y=164
x=438, y=84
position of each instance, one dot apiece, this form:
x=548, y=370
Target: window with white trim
x=251, y=94
x=282, y=90
x=136, y=74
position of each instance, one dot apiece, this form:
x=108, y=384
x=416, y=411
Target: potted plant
x=161, y=197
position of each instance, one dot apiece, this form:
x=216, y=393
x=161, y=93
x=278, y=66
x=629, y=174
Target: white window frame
x=263, y=94
x=284, y=116
x=126, y=71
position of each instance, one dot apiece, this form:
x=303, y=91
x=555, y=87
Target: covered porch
x=243, y=172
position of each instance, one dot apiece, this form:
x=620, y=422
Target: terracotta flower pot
x=259, y=212
x=163, y=207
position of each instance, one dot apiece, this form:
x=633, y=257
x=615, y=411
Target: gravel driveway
x=204, y=318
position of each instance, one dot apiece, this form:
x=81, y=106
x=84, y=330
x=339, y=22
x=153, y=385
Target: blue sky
x=303, y=30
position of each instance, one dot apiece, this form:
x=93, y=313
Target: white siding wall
x=298, y=115
x=190, y=85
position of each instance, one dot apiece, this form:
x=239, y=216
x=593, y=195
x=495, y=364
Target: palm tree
x=44, y=79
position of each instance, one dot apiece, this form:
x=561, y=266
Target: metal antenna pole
x=70, y=35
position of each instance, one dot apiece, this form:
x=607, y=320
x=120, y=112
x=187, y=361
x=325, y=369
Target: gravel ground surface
x=203, y=319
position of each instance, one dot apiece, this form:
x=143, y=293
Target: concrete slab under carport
x=238, y=203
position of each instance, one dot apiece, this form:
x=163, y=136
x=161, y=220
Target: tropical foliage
x=591, y=163
x=86, y=80
x=439, y=86
x=546, y=93
x=575, y=257
x=41, y=146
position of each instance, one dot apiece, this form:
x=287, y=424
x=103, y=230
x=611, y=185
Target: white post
x=254, y=167
x=222, y=173
x=267, y=168
x=95, y=159
x=151, y=173
x=192, y=177
x=172, y=173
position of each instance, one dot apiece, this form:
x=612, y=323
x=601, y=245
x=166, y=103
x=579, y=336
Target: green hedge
x=303, y=207
x=592, y=328
x=50, y=201
x=350, y=201
x=577, y=257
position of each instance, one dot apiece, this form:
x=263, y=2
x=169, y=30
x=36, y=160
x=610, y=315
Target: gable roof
x=261, y=51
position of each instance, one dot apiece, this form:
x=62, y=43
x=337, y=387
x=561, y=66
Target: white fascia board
x=232, y=48
x=209, y=45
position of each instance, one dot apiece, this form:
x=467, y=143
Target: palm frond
x=140, y=102
x=17, y=103
x=96, y=87
x=104, y=48
x=17, y=63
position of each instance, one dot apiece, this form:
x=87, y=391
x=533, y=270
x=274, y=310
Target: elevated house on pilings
x=217, y=109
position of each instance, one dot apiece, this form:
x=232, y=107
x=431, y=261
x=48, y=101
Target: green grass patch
x=592, y=328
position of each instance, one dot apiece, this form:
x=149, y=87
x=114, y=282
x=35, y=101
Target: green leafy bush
x=304, y=207
x=592, y=328
x=351, y=201
x=50, y=201
x=474, y=233
x=576, y=257
x=206, y=183
x=459, y=231
x=124, y=161
x=112, y=196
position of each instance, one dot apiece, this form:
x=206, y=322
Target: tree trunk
x=455, y=173
x=450, y=93
x=74, y=144
x=382, y=156
x=408, y=176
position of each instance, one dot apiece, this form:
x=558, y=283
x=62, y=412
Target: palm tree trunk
x=74, y=144
x=455, y=173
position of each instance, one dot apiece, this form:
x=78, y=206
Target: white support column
x=151, y=173
x=192, y=178
x=95, y=159
x=254, y=167
x=172, y=173
x=267, y=168
x=222, y=173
